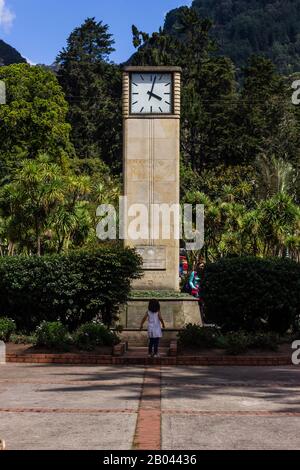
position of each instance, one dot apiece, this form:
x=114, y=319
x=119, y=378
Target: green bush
x=20, y=338
x=91, y=335
x=74, y=288
x=51, y=335
x=253, y=294
x=268, y=341
x=195, y=336
x=236, y=343
x=7, y=328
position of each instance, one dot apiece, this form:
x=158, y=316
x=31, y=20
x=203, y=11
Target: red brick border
x=231, y=413
x=69, y=410
x=148, y=427
x=77, y=359
x=234, y=360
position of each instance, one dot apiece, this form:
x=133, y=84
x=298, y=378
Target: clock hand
x=153, y=84
x=154, y=96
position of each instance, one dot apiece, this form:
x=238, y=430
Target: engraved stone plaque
x=154, y=257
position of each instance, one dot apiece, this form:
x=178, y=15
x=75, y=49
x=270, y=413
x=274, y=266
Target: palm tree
x=33, y=195
x=279, y=219
x=275, y=175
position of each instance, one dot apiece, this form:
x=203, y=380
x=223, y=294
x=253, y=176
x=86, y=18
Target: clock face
x=151, y=93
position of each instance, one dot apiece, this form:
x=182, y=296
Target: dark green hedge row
x=74, y=288
x=252, y=293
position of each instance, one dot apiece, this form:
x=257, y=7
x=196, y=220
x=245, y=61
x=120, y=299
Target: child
x=194, y=282
x=155, y=322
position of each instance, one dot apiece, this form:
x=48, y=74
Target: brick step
x=142, y=352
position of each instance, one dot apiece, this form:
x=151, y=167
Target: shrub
x=20, y=338
x=268, y=341
x=236, y=342
x=7, y=328
x=91, y=335
x=251, y=294
x=51, y=335
x=195, y=336
x=74, y=288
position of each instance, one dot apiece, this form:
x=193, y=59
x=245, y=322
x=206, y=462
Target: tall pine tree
x=92, y=87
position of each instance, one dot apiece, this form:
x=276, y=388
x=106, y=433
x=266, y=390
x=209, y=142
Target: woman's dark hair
x=154, y=306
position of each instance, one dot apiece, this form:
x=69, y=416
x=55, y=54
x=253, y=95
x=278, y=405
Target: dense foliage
x=92, y=87
x=245, y=27
x=73, y=289
x=61, y=141
x=233, y=227
x=7, y=329
x=91, y=335
x=234, y=342
x=51, y=335
x=253, y=294
x=33, y=121
x=223, y=124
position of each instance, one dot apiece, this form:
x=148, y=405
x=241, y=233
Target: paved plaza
x=170, y=408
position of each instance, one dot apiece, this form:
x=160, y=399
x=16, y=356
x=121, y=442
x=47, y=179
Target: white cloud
x=30, y=62
x=6, y=16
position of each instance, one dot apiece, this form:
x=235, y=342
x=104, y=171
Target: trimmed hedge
x=74, y=288
x=253, y=294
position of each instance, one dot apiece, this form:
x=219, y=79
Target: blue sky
x=39, y=28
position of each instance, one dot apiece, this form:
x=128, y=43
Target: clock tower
x=151, y=117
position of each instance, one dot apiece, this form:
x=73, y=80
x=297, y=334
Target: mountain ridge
x=9, y=55
x=245, y=27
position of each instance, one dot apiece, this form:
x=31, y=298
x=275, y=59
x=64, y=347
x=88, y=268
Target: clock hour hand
x=154, y=96
x=150, y=92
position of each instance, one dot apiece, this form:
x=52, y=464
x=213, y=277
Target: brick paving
x=148, y=429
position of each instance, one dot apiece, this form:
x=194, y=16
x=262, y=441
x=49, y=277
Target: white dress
x=154, y=326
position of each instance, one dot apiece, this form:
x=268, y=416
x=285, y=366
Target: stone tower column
x=151, y=167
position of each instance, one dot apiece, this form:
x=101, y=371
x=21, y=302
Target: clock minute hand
x=154, y=96
x=151, y=92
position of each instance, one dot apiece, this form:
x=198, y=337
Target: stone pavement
x=170, y=408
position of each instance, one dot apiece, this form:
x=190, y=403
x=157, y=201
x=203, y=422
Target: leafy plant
x=91, y=335
x=7, y=328
x=267, y=341
x=51, y=335
x=19, y=338
x=74, y=289
x=253, y=294
x=236, y=343
x=195, y=336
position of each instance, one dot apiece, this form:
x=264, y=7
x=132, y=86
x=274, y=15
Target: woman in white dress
x=155, y=322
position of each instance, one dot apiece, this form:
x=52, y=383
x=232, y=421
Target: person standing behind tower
x=155, y=322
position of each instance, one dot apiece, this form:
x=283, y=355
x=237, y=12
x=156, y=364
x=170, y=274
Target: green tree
x=32, y=197
x=275, y=176
x=33, y=121
x=264, y=112
x=93, y=88
x=208, y=87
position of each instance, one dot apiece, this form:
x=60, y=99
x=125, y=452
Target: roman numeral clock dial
x=151, y=93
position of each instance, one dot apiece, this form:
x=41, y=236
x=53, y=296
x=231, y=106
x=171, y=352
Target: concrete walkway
x=171, y=408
